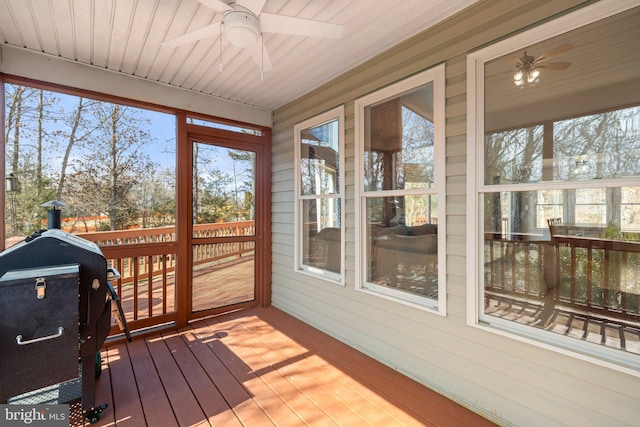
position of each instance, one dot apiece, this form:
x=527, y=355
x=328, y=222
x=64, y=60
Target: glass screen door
x=223, y=237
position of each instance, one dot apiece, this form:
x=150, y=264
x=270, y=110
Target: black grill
x=55, y=309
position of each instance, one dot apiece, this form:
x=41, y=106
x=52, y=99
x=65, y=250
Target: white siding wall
x=506, y=380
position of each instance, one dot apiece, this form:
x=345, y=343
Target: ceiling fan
x=528, y=68
x=243, y=23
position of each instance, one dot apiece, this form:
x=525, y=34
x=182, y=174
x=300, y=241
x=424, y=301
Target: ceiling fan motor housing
x=242, y=28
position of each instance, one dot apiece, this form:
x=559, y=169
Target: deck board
x=126, y=406
x=185, y=406
x=260, y=367
x=208, y=396
x=152, y=395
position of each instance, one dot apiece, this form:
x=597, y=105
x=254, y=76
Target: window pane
x=579, y=276
x=569, y=121
x=514, y=156
x=630, y=212
x=591, y=206
x=320, y=161
x=402, y=249
x=550, y=205
x=321, y=236
x=399, y=142
x=604, y=145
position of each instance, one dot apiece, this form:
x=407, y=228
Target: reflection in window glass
x=564, y=257
x=591, y=206
x=579, y=270
x=321, y=236
x=604, y=145
x=400, y=159
x=319, y=160
x=630, y=212
x=399, y=147
x=402, y=249
x=549, y=205
x=514, y=156
x=319, y=208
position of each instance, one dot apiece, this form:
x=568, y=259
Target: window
x=554, y=183
x=400, y=191
x=319, y=153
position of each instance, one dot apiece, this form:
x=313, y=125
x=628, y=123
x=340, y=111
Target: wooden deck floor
x=261, y=367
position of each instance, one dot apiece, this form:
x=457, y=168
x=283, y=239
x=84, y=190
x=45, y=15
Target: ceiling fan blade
x=260, y=56
x=270, y=23
x=254, y=6
x=201, y=33
x=555, y=66
x=217, y=5
x=554, y=52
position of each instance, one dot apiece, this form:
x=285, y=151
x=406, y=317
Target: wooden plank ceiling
x=126, y=36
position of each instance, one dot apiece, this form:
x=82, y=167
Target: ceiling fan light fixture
x=532, y=76
x=517, y=77
x=242, y=28
x=526, y=76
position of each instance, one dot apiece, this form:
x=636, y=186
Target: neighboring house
x=414, y=198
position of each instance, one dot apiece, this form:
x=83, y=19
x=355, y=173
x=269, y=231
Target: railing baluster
x=606, y=278
x=527, y=270
x=164, y=282
x=514, y=270
x=134, y=261
x=573, y=281
x=120, y=268
x=589, y=277
x=150, y=281
x=502, y=266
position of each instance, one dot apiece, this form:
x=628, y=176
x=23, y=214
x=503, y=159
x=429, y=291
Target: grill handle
x=115, y=274
x=48, y=337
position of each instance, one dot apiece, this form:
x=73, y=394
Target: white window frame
x=602, y=356
x=435, y=75
x=299, y=266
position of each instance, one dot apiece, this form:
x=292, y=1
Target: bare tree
x=112, y=164
x=80, y=121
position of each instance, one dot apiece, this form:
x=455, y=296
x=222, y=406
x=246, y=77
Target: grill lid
x=63, y=236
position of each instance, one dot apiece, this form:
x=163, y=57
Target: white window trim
x=437, y=76
x=602, y=356
x=299, y=267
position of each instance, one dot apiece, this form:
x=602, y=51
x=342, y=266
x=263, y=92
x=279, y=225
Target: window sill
x=626, y=363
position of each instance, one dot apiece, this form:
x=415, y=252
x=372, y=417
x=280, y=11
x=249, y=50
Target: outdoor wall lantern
x=12, y=186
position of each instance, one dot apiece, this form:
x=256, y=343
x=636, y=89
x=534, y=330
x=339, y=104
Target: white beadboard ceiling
x=126, y=36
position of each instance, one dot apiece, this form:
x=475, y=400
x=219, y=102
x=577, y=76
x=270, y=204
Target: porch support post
x=183, y=221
